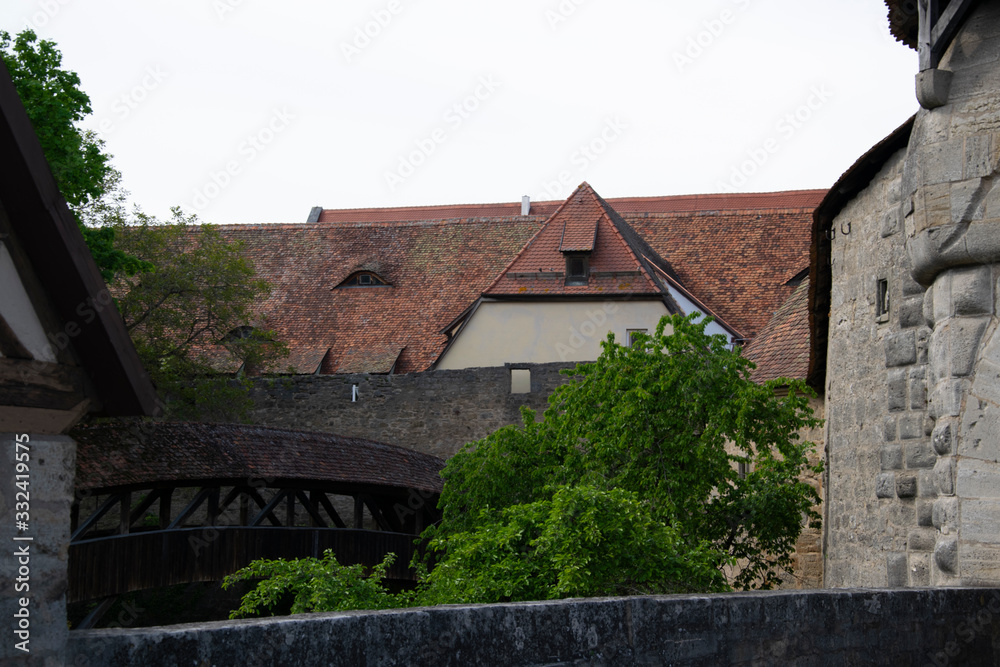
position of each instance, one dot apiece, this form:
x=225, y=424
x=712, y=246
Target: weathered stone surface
x=896, y=382
x=920, y=455
x=943, y=438
x=911, y=426
x=906, y=486
x=972, y=291
x=885, y=485
x=976, y=478
x=980, y=519
x=901, y=349
x=946, y=555
x=944, y=476
x=945, y=515
x=897, y=570
x=925, y=513
x=892, y=456
x=822, y=627
x=921, y=539
x=51, y=463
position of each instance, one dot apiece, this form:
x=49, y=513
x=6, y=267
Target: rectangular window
x=577, y=269
x=630, y=335
x=882, y=301
x=520, y=381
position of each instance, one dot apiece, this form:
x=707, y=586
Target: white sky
x=255, y=111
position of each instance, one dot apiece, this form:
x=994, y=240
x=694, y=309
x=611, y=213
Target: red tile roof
x=141, y=454
x=540, y=268
x=781, y=349
x=735, y=253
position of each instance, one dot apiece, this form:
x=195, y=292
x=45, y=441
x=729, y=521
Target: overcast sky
x=254, y=111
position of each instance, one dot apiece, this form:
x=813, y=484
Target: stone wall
x=878, y=466
x=434, y=412
x=914, y=402
x=901, y=627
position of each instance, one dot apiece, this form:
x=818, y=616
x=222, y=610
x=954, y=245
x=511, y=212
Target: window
x=520, y=381
x=577, y=269
x=630, y=335
x=364, y=279
x=882, y=301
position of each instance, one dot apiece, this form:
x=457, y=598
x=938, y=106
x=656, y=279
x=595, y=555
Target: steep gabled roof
x=619, y=263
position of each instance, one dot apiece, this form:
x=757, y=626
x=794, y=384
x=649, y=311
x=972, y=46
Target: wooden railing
x=107, y=566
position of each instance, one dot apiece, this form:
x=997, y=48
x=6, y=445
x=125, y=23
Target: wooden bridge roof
x=147, y=454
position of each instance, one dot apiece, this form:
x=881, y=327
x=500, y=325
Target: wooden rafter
x=938, y=27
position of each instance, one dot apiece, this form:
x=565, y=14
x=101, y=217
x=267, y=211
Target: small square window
x=630, y=336
x=520, y=381
x=882, y=301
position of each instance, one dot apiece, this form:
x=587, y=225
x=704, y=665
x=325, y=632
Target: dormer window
x=364, y=279
x=577, y=268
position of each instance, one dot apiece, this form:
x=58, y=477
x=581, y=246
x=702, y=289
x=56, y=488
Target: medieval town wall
x=435, y=412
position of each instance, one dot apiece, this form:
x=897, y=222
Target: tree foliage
x=82, y=169
x=630, y=483
x=195, y=312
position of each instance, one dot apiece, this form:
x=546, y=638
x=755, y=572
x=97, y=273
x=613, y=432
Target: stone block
x=980, y=519
x=906, y=486
x=966, y=201
x=972, y=291
x=955, y=346
x=946, y=398
x=986, y=384
x=892, y=457
x=976, y=478
x=980, y=429
x=926, y=488
x=921, y=539
x=919, y=455
x=909, y=286
x=889, y=429
x=941, y=162
x=901, y=349
x=978, y=155
x=991, y=348
x=928, y=307
x=896, y=569
x=923, y=336
x=942, y=296
x=925, y=513
x=992, y=201
x=896, y=384
x=946, y=556
x=920, y=569
x=911, y=312
x=890, y=222
x=918, y=393
x=885, y=485
x=943, y=438
x=911, y=426
x=944, y=476
x=944, y=516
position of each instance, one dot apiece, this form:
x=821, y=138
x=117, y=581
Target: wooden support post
x=165, y=497
x=359, y=509
x=213, y=506
x=125, y=513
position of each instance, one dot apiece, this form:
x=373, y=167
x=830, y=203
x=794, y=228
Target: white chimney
x=525, y=205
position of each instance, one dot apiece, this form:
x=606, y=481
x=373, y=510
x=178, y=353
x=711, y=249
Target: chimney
x=314, y=214
x=525, y=205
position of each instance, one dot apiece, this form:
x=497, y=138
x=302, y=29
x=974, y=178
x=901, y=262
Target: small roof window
x=364, y=279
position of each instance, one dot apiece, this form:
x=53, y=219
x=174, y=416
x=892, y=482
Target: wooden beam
x=38, y=384
x=257, y=498
x=192, y=506
x=310, y=506
x=268, y=509
x=328, y=506
x=146, y=503
x=96, y=516
x=937, y=28
x=165, y=498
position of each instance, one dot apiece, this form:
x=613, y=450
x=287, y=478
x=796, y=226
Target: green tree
x=659, y=428
x=193, y=314
x=630, y=484
x=56, y=105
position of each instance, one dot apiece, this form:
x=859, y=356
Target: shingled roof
x=781, y=349
x=139, y=455
x=733, y=252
